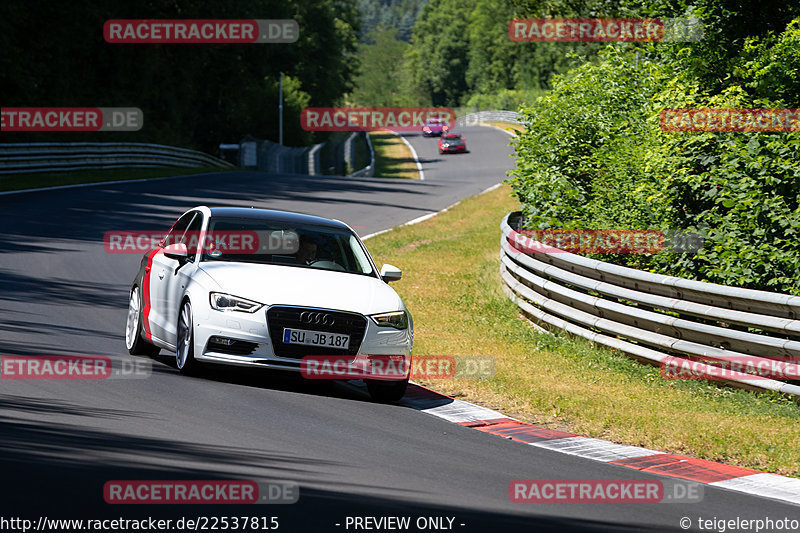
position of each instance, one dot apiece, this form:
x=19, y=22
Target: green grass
x=393, y=159
x=452, y=286
x=514, y=128
x=14, y=182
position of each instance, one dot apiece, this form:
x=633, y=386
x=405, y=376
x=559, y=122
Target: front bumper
x=254, y=343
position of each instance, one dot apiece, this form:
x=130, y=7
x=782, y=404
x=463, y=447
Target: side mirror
x=176, y=251
x=391, y=273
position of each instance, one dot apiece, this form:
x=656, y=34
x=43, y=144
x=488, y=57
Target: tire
x=134, y=341
x=184, y=347
x=386, y=391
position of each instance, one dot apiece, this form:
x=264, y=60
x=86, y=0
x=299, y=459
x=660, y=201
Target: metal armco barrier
x=20, y=158
x=368, y=170
x=511, y=117
x=332, y=158
x=654, y=318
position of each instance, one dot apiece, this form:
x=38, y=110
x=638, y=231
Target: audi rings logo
x=309, y=317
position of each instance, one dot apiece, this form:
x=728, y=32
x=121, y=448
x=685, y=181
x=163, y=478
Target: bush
x=581, y=157
x=594, y=156
x=505, y=99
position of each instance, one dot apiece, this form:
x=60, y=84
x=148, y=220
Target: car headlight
x=396, y=319
x=226, y=302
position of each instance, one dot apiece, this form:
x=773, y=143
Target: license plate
x=315, y=338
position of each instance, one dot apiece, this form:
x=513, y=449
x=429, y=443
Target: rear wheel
x=184, y=351
x=386, y=391
x=134, y=341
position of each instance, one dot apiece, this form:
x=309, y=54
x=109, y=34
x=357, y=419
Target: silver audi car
x=263, y=288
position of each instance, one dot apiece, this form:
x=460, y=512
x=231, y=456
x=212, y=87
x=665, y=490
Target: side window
x=175, y=234
x=192, y=236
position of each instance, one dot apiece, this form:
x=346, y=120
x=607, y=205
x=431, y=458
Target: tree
x=398, y=14
x=193, y=95
x=439, y=57
x=380, y=81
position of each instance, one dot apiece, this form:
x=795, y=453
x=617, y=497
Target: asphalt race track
x=62, y=440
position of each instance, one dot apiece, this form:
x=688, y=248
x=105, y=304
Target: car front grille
x=280, y=317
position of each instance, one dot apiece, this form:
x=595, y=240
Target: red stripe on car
x=146, y=294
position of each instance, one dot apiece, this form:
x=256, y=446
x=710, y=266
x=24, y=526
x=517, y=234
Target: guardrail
x=657, y=319
x=490, y=116
x=330, y=157
x=368, y=170
x=62, y=157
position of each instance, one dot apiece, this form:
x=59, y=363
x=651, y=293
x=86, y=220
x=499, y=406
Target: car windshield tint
x=278, y=243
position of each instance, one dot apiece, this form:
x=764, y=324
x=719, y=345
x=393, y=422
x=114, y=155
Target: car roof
x=275, y=216
x=451, y=135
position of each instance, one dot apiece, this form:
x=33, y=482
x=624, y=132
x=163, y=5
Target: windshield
x=269, y=242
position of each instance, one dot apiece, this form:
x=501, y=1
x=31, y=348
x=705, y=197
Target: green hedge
x=594, y=156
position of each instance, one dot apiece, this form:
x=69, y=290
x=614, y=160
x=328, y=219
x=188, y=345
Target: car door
x=159, y=280
x=177, y=277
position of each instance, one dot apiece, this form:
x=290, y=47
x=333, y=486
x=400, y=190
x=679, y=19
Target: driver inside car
x=307, y=253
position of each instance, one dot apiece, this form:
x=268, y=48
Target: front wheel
x=134, y=341
x=184, y=351
x=386, y=391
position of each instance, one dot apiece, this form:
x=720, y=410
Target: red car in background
x=452, y=142
x=434, y=127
